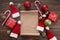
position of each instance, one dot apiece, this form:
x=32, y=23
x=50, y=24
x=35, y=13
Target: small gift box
x=10, y=22
x=53, y=16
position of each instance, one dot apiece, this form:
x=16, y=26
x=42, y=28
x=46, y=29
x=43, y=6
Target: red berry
x=27, y=4
x=44, y=8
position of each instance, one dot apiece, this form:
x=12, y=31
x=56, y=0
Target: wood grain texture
x=54, y=5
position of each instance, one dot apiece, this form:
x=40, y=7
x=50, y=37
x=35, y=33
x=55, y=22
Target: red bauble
x=44, y=8
x=27, y=4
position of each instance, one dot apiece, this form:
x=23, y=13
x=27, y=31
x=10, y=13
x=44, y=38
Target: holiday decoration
x=29, y=19
x=7, y=11
x=40, y=18
x=19, y=6
x=50, y=35
x=46, y=19
x=40, y=26
x=27, y=4
x=44, y=8
x=11, y=23
x=14, y=10
x=8, y=31
x=53, y=16
x=36, y=5
x=16, y=30
x=8, y=21
x=2, y=17
x=47, y=22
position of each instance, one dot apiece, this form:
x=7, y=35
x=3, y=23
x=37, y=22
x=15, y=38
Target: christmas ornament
x=27, y=4
x=16, y=30
x=2, y=17
x=40, y=18
x=19, y=6
x=53, y=16
x=44, y=8
x=47, y=22
x=14, y=10
x=50, y=35
x=8, y=31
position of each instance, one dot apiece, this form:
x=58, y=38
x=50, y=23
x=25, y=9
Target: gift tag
x=10, y=22
x=53, y=16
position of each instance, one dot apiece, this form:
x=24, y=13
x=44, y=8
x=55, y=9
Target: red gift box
x=53, y=16
x=10, y=23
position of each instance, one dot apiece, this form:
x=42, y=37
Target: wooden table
x=54, y=5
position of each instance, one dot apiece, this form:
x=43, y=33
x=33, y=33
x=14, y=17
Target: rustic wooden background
x=54, y=5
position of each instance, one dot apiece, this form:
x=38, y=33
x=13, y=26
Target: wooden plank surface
x=54, y=5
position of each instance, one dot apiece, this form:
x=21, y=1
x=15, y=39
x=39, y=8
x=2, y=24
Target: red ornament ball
x=44, y=8
x=27, y=4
